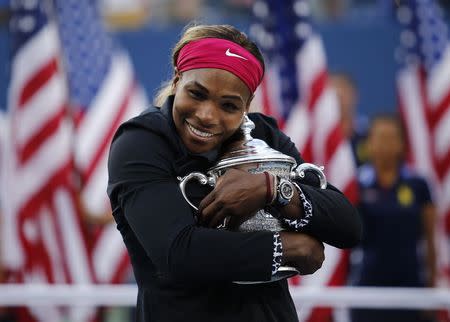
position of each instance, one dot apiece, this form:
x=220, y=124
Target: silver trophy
x=255, y=156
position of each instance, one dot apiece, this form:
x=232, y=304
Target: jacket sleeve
x=334, y=219
x=143, y=187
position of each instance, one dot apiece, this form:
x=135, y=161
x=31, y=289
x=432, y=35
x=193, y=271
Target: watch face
x=286, y=190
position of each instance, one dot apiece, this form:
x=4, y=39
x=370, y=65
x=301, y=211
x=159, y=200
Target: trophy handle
x=200, y=177
x=299, y=172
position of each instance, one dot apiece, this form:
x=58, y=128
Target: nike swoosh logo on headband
x=229, y=53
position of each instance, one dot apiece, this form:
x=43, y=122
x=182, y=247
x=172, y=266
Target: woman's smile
x=195, y=131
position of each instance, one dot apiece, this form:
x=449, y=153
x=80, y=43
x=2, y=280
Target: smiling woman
x=209, y=106
x=184, y=267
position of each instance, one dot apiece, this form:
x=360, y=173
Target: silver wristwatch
x=285, y=192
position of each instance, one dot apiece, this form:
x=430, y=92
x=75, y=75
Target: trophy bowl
x=255, y=156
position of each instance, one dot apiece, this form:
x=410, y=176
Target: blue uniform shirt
x=393, y=229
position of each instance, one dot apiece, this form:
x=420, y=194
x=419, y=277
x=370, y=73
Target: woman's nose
x=207, y=113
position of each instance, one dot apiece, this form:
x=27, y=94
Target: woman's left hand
x=238, y=194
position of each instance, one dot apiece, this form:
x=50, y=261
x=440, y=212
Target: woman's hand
x=238, y=194
x=302, y=251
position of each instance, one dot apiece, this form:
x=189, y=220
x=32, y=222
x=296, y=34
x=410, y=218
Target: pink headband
x=221, y=54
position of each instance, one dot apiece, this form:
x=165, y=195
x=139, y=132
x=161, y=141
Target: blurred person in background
x=182, y=10
x=129, y=14
x=398, y=222
x=353, y=126
x=330, y=9
x=185, y=267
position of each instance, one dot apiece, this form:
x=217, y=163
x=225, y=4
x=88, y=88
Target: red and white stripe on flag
x=438, y=88
x=118, y=99
x=103, y=94
x=46, y=243
x=424, y=102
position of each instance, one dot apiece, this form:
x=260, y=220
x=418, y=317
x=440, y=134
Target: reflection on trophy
x=255, y=156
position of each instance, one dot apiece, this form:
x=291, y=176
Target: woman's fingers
x=206, y=201
x=302, y=251
x=213, y=215
x=237, y=194
x=210, y=211
x=217, y=219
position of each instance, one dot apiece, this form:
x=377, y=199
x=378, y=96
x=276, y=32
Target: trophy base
x=282, y=273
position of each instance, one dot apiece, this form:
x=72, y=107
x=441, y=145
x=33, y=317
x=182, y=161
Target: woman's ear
x=175, y=80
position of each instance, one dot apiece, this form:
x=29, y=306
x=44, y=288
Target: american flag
x=45, y=241
x=424, y=98
x=296, y=91
x=70, y=88
x=103, y=93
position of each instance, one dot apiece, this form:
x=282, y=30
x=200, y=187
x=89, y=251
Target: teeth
x=199, y=133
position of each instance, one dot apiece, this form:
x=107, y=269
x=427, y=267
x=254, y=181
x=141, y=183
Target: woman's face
x=208, y=107
x=385, y=142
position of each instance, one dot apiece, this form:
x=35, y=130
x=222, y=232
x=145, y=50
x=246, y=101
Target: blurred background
x=360, y=39
x=375, y=56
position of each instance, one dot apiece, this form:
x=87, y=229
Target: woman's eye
x=230, y=107
x=196, y=94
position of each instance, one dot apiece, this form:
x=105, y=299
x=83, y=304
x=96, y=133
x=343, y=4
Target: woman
x=184, y=268
x=398, y=216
